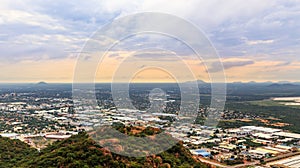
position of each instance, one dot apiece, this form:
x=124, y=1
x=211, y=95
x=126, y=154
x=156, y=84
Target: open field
x=273, y=102
x=268, y=110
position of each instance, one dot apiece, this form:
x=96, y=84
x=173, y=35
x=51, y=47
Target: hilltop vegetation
x=82, y=151
x=13, y=151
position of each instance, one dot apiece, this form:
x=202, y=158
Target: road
x=212, y=163
x=226, y=166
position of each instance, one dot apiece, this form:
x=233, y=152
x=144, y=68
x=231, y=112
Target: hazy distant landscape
x=253, y=99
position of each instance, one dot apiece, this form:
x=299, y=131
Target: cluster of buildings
x=21, y=117
x=244, y=145
x=40, y=140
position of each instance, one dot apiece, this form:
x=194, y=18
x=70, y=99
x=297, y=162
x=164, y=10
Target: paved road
x=247, y=164
x=225, y=166
x=212, y=163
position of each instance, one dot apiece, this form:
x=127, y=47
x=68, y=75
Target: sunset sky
x=257, y=40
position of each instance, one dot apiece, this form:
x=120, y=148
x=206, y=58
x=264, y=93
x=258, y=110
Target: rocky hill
x=82, y=151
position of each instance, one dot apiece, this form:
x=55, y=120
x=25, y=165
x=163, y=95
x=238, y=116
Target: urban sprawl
x=39, y=121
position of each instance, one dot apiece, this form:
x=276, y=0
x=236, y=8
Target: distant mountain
x=42, y=83
x=267, y=82
x=252, y=82
x=276, y=85
x=283, y=82
x=198, y=81
x=237, y=82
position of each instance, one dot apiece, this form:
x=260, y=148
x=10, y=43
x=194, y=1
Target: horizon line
x=36, y=83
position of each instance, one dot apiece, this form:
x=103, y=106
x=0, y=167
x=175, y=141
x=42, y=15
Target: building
x=201, y=152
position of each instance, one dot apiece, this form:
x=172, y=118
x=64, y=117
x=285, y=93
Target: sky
x=255, y=40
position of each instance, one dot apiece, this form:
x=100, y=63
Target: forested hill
x=13, y=151
x=82, y=151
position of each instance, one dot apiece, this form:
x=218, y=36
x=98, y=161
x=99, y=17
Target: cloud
x=30, y=19
x=225, y=22
x=156, y=56
x=229, y=64
x=254, y=31
x=283, y=64
x=256, y=42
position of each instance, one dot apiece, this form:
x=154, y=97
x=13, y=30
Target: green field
x=270, y=102
x=266, y=109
